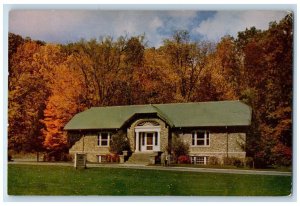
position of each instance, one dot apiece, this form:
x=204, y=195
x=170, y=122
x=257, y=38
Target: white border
x=160, y=4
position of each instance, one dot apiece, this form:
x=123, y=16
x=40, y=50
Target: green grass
x=64, y=180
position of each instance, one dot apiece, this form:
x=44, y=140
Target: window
x=200, y=138
x=103, y=139
x=200, y=160
x=102, y=158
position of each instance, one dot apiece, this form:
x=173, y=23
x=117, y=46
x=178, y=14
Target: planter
x=121, y=159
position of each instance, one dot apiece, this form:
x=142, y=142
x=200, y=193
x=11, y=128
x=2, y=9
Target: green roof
x=196, y=114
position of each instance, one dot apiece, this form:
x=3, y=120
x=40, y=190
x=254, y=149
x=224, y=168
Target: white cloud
x=63, y=26
x=231, y=22
x=182, y=14
x=155, y=23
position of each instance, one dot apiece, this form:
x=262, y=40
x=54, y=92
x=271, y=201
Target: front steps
x=141, y=158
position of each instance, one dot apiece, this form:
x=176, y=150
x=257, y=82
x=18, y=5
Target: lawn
x=64, y=180
x=279, y=169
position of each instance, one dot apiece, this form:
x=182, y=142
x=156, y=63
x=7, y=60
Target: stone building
x=211, y=129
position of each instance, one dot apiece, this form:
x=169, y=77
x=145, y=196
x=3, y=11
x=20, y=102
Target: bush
x=260, y=160
x=228, y=160
x=115, y=158
x=119, y=143
x=249, y=162
x=112, y=158
x=108, y=158
x=273, y=156
x=68, y=157
x=213, y=160
x=57, y=156
x=238, y=163
x=282, y=155
x=233, y=161
x=9, y=157
x=180, y=148
x=184, y=159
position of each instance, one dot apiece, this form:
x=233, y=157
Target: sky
x=65, y=26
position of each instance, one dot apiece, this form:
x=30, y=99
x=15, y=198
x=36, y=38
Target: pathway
x=170, y=168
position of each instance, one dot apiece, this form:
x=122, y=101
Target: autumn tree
x=26, y=95
x=220, y=77
x=268, y=89
x=14, y=41
x=99, y=63
x=65, y=101
x=187, y=60
x=155, y=81
x=133, y=66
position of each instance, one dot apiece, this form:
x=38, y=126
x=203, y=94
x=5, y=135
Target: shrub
x=227, y=161
x=184, y=159
x=68, y=157
x=115, y=158
x=9, y=157
x=260, y=163
x=213, y=160
x=56, y=155
x=47, y=157
x=119, y=143
x=233, y=161
x=237, y=162
x=112, y=158
x=282, y=155
x=180, y=148
x=108, y=158
x=249, y=162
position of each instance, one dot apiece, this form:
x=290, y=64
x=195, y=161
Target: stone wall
x=88, y=144
x=164, y=132
x=218, y=145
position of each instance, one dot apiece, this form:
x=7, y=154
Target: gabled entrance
x=147, y=138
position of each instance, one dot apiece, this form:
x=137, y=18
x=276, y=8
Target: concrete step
x=140, y=158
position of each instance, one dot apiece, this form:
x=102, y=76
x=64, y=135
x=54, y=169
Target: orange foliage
x=64, y=102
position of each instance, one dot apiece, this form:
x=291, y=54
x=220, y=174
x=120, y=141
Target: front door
x=148, y=141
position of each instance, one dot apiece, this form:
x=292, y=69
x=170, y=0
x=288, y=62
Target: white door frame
x=149, y=129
